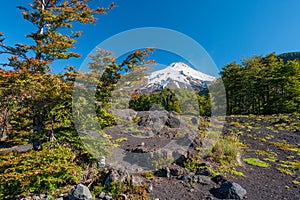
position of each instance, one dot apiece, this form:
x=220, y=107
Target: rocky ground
x=273, y=140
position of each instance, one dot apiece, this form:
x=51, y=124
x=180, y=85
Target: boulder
x=80, y=192
x=116, y=175
x=173, y=120
x=137, y=180
x=232, y=190
x=126, y=114
x=192, y=178
x=165, y=172
x=204, y=180
x=194, y=120
x=176, y=170
x=203, y=172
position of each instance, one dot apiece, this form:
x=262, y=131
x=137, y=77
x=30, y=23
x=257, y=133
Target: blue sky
x=226, y=29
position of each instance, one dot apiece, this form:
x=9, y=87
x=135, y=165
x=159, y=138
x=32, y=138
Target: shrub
x=226, y=149
x=37, y=171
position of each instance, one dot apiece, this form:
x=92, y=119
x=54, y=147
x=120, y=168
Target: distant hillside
x=290, y=56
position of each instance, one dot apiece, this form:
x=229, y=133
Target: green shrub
x=194, y=164
x=225, y=150
x=37, y=171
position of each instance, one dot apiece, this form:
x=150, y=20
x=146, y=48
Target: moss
x=256, y=162
x=148, y=175
x=121, y=139
x=296, y=182
x=285, y=171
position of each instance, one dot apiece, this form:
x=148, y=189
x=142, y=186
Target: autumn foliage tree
x=46, y=94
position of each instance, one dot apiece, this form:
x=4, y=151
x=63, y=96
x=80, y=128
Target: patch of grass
x=226, y=149
x=290, y=164
x=289, y=167
x=256, y=162
x=285, y=171
x=121, y=139
x=283, y=145
x=194, y=164
x=137, y=192
x=148, y=175
x=117, y=188
x=267, y=154
x=236, y=173
x=296, y=182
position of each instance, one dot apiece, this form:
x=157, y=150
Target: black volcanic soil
x=260, y=183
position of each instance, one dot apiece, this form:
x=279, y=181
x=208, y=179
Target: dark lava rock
x=194, y=120
x=80, y=192
x=164, y=172
x=176, y=170
x=232, y=190
x=173, y=120
x=203, y=172
x=218, y=179
x=192, y=178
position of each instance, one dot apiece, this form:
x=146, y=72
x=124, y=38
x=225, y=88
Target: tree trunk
x=37, y=121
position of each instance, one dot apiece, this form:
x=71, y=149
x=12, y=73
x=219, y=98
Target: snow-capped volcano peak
x=179, y=65
x=178, y=75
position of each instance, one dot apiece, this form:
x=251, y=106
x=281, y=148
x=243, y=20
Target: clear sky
x=227, y=29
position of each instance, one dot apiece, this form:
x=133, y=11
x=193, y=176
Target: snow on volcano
x=177, y=75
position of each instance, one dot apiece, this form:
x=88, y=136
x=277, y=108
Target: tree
x=262, y=85
x=53, y=40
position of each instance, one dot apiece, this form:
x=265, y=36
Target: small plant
x=256, y=162
x=97, y=190
x=148, y=175
x=121, y=139
x=296, y=182
x=226, y=149
x=136, y=191
x=198, y=148
x=195, y=164
x=236, y=173
x=285, y=171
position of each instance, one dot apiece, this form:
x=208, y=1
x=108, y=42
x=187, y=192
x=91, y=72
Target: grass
x=289, y=167
x=148, y=175
x=295, y=182
x=121, y=139
x=285, y=171
x=226, y=149
x=267, y=154
x=284, y=146
x=236, y=173
x=256, y=162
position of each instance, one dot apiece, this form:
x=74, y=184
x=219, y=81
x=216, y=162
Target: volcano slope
x=274, y=140
x=267, y=165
